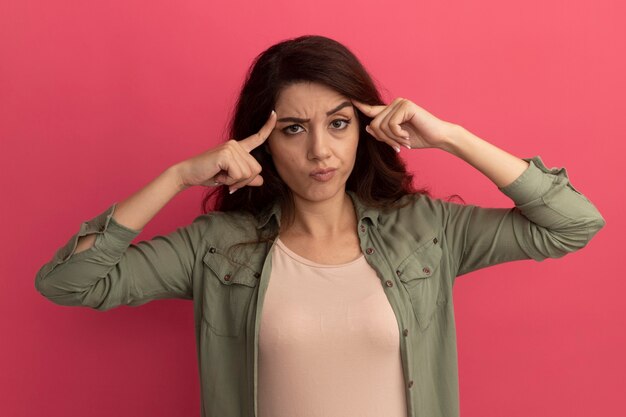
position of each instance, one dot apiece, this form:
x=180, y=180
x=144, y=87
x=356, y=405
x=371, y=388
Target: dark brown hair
x=379, y=177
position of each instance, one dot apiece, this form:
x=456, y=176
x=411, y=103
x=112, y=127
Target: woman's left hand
x=403, y=122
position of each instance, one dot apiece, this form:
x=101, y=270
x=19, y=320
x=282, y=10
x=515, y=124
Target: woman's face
x=316, y=130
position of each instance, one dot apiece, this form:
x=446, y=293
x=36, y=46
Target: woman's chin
x=321, y=191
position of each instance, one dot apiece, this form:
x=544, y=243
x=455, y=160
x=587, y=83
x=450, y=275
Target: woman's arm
x=99, y=267
x=550, y=218
x=498, y=165
x=138, y=209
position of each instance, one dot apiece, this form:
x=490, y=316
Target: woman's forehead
x=308, y=95
x=311, y=102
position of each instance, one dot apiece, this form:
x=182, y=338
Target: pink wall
x=98, y=97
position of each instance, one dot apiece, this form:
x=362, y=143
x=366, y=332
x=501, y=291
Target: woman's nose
x=318, y=145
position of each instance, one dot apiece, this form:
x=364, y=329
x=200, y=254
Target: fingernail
x=397, y=148
x=232, y=191
x=368, y=129
x=407, y=146
x=273, y=112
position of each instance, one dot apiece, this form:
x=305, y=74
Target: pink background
x=97, y=98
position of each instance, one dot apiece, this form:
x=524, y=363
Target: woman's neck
x=322, y=220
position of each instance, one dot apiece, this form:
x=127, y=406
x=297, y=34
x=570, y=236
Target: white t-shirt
x=335, y=355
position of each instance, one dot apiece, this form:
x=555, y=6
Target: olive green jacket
x=417, y=251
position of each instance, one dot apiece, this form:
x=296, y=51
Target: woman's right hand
x=227, y=164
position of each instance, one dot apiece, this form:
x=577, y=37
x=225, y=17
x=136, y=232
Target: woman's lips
x=323, y=175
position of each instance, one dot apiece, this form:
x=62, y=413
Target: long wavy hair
x=379, y=177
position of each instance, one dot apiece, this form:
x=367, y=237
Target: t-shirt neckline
x=309, y=262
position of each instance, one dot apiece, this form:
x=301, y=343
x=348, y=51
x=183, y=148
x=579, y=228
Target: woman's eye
x=346, y=121
x=292, y=129
x=290, y=132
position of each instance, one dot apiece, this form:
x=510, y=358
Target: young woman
x=321, y=280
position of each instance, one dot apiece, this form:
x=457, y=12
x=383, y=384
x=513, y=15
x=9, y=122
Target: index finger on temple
x=368, y=109
x=261, y=136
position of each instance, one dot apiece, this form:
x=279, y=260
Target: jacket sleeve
x=550, y=219
x=116, y=272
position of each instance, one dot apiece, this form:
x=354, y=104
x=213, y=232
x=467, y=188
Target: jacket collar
x=362, y=212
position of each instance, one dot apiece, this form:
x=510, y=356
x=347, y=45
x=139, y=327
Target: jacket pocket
x=419, y=274
x=228, y=289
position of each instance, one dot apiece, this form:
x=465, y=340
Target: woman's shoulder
x=420, y=210
x=422, y=202
x=227, y=223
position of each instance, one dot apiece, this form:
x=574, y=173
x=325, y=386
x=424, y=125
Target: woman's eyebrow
x=328, y=113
